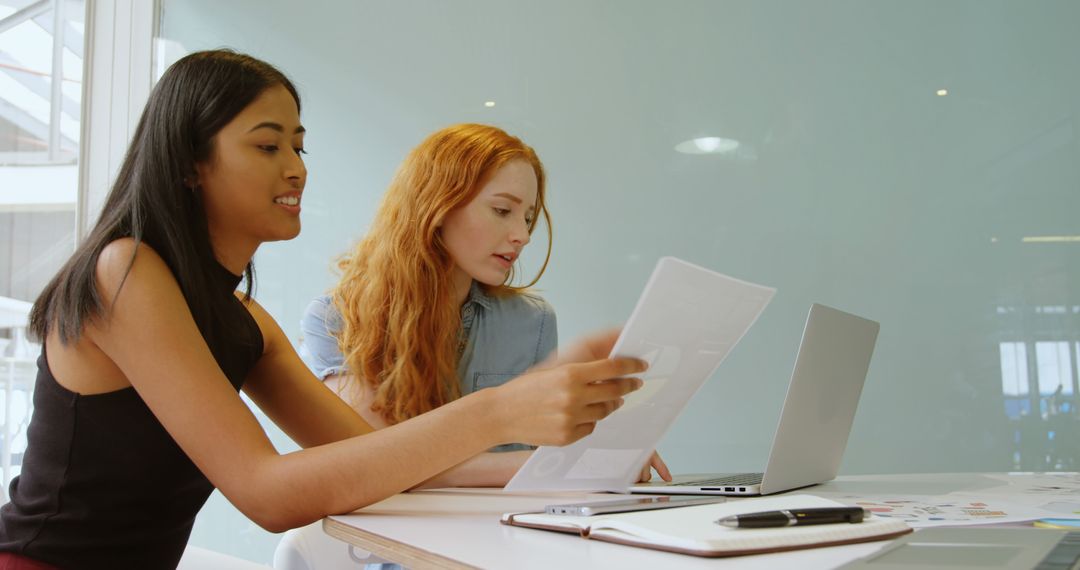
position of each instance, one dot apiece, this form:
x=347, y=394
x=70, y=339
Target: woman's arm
x=280, y=382
x=356, y=396
x=148, y=332
x=487, y=469
x=484, y=470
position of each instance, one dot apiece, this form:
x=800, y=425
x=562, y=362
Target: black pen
x=789, y=517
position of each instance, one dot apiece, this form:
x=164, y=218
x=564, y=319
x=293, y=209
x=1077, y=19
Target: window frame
x=118, y=74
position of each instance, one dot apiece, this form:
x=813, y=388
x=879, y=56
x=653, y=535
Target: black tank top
x=103, y=485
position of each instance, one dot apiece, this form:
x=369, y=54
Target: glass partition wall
x=912, y=162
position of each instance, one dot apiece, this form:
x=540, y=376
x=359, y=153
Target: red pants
x=12, y=561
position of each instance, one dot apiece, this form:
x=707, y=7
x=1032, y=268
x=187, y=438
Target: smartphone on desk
x=630, y=505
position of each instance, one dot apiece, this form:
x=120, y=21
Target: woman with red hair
x=425, y=311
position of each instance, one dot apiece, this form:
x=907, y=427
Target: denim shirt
x=505, y=337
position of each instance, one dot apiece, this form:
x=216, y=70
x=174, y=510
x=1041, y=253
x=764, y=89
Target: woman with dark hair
x=146, y=344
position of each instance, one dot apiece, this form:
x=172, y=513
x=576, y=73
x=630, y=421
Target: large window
x=41, y=63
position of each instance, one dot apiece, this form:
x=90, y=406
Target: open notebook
x=693, y=530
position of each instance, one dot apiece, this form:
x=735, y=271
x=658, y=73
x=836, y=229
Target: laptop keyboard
x=735, y=479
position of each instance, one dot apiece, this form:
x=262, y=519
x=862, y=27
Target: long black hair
x=154, y=199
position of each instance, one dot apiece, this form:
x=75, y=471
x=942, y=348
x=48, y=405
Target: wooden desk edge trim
x=404, y=554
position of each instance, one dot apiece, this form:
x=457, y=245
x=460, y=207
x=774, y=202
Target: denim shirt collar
x=478, y=296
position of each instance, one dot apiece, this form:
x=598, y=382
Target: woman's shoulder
x=121, y=251
x=321, y=314
x=321, y=306
x=319, y=345
x=522, y=304
x=126, y=259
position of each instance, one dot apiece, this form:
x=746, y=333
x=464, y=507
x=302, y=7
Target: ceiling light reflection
x=708, y=145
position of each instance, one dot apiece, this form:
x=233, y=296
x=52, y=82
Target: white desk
x=459, y=528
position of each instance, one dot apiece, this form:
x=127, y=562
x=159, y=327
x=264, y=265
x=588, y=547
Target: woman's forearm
x=484, y=470
x=350, y=474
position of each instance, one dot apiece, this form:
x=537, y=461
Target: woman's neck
x=232, y=254
x=462, y=284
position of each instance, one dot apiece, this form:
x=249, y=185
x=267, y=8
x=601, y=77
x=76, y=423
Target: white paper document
x=687, y=320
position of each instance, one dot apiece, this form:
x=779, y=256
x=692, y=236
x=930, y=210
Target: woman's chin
x=284, y=234
x=490, y=280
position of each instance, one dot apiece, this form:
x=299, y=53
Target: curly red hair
x=395, y=293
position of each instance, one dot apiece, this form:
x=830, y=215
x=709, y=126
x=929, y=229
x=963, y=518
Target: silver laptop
x=816, y=419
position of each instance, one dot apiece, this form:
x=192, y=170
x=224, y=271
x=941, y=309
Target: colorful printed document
x=921, y=512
